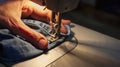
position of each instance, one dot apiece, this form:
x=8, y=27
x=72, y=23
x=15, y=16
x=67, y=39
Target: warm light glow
x=36, y=5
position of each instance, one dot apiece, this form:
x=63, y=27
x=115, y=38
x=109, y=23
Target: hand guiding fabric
x=11, y=13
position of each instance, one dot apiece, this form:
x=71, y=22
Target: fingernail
x=43, y=44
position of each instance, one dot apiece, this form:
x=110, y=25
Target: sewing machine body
x=61, y=5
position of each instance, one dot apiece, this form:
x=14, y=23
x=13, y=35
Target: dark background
x=112, y=6
x=100, y=15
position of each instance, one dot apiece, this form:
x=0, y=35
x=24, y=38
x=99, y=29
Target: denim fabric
x=2, y=1
x=14, y=49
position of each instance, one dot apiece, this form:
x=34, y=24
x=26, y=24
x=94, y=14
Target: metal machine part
x=55, y=25
x=58, y=7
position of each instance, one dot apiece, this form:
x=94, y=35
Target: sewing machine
x=58, y=7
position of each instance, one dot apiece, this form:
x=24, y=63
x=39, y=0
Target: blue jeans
x=14, y=49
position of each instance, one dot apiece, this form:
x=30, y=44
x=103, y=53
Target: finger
x=35, y=38
x=37, y=12
x=66, y=22
x=63, y=29
x=29, y=34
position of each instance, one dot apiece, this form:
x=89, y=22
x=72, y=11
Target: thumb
x=35, y=38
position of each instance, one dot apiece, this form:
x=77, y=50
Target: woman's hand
x=11, y=13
